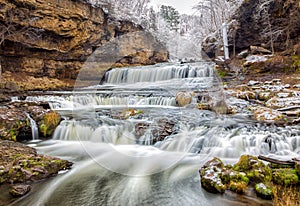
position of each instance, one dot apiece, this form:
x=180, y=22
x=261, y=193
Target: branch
x=280, y=162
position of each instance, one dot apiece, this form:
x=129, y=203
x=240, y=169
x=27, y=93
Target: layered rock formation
x=53, y=38
x=274, y=25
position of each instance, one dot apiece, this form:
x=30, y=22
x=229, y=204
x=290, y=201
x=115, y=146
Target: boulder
x=22, y=164
x=255, y=169
x=19, y=190
x=210, y=174
x=183, y=98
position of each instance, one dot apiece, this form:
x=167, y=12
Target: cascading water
x=158, y=73
x=124, y=156
x=34, y=128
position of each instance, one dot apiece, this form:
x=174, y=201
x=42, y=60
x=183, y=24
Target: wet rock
x=263, y=191
x=238, y=182
x=158, y=130
x=255, y=169
x=243, y=88
x=266, y=114
x=140, y=129
x=19, y=190
x=22, y=164
x=15, y=125
x=238, y=187
x=49, y=122
x=183, y=98
x=285, y=177
x=249, y=171
x=162, y=129
x=203, y=106
x=12, y=121
x=210, y=175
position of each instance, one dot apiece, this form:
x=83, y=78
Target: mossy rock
x=211, y=174
x=264, y=191
x=238, y=182
x=19, y=190
x=238, y=187
x=285, y=177
x=49, y=123
x=255, y=169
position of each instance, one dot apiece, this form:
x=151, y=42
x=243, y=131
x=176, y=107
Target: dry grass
x=286, y=196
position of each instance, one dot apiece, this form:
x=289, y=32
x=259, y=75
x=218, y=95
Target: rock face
x=53, y=38
x=254, y=22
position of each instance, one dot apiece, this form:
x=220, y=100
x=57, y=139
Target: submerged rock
x=19, y=190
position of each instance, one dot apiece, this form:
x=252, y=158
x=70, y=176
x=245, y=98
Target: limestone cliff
x=275, y=24
x=54, y=38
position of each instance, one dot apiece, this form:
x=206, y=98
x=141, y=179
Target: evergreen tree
x=171, y=16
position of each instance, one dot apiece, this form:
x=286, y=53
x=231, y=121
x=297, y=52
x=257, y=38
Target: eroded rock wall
x=54, y=38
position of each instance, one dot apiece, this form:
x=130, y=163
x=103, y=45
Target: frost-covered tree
x=134, y=10
x=215, y=12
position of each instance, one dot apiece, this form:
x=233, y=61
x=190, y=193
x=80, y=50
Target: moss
x=48, y=124
x=221, y=73
x=256, y=170
x=12, y=135
x=285, y=177
x=238, y=187
x=264, y=191
x=211, y=174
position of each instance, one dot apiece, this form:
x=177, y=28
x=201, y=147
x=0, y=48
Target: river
x=133, y=145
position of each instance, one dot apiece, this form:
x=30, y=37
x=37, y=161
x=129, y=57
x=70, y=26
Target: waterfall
x=158, y=73
x=152, y=157
x=34, y=128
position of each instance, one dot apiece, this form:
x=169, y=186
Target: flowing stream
x=133, y=145
x=34, y=128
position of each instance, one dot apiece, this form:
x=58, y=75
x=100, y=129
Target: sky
x=183, y=6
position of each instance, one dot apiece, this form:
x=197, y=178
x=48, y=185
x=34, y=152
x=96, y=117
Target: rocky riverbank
x=16, y=121
x=20, y=166
x=249, y=172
